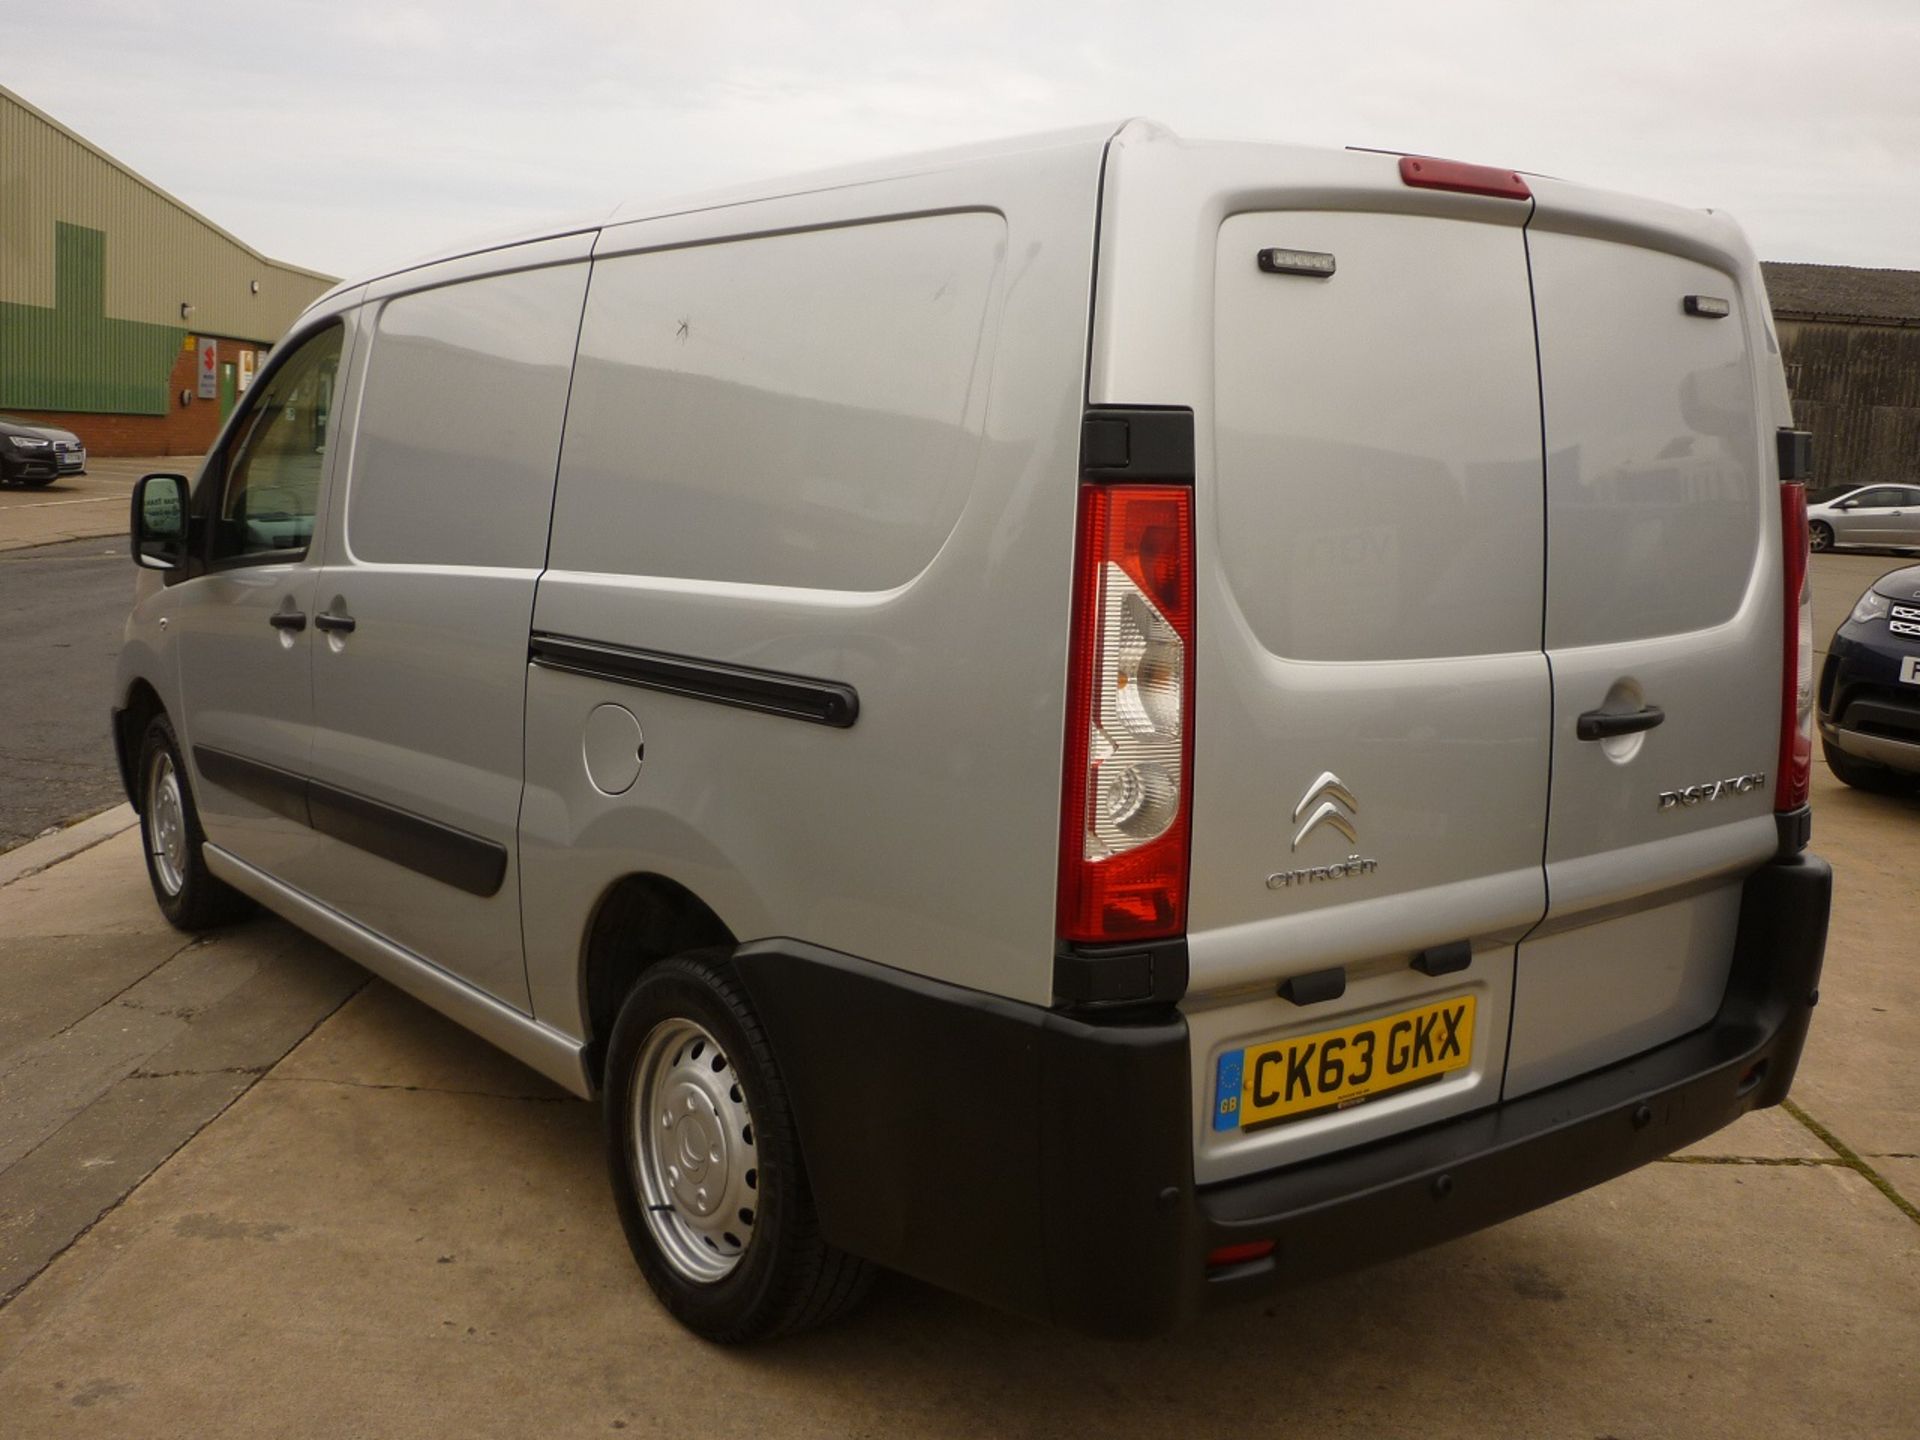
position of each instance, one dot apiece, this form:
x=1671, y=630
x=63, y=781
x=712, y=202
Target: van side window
x=270, y=489
x=458, y=429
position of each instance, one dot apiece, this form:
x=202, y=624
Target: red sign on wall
x=209, y=368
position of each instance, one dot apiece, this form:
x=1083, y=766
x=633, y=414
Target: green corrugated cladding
x=71, y=356
x=95, y=265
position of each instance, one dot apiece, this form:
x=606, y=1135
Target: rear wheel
x=1820, y=536
x=188, y=893
x=1864, y=774
x=706, y=1166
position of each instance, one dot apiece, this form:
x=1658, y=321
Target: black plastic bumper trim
x=1043, y=1162
x=798, y=697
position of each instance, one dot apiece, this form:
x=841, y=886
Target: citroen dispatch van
x=1106, y=722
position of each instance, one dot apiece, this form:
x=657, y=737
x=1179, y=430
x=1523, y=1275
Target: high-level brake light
x=1425, y=173
x=1125, y=807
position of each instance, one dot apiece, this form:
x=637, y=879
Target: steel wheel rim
x=693, y=1146
x=166, y=825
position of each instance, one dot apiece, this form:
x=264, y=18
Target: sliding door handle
x=1605, y=724
x=287, y=620
x=333, y=624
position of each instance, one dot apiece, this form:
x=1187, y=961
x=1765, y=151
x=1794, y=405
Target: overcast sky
x=341, y=134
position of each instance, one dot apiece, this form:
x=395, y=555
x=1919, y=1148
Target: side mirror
x=159, y=527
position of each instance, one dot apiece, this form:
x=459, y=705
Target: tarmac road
x=61, y=612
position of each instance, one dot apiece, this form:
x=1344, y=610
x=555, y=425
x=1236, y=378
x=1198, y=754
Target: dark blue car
x=1870, y=688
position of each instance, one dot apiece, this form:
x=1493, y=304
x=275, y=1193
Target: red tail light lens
x=1125, y=812
x=1425, y=173
x=1793, y=782
x=1239, y=1254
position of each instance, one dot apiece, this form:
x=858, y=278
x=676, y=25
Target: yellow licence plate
x=1257, y=1084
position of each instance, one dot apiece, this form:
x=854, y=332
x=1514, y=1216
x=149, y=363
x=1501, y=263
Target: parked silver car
x=1875, y=515
x=1103, y=721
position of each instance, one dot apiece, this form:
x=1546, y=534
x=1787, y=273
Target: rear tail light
x=1125, y=810
x=1794, y=779
x=1240, y=1254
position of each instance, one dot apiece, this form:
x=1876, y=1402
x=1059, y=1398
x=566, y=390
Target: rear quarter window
x=459, y=424
x=801, y=409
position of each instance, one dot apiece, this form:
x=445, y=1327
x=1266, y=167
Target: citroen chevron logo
x=1335, y=808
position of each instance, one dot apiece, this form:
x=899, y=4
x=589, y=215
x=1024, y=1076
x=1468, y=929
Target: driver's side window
x=270, y=488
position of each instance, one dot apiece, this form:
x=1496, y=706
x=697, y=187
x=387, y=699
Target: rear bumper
x=1044, y=1164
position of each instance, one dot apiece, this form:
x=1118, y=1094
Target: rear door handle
x=1605, y=724
x=330, y=622
x=287, y=620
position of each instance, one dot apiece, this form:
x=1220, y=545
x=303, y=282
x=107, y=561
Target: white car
x=1103, y=721
x=1878, y=515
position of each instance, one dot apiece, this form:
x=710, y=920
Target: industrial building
x=125, y=315
x=1850, y=338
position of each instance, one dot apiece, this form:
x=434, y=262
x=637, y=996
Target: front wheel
x=706, y=1166
x=189, y=894
x=1820, y=536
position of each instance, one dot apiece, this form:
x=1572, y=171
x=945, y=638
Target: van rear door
x=1372, y=706
x=1663, y=594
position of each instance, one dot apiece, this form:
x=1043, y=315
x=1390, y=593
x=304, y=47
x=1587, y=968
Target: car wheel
x=706, y=1165
x=190, y=896
x=1820, y=536
x=1864, y=774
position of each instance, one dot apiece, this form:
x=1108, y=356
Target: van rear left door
x=1372, y=707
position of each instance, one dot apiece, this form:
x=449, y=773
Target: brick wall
x=187, y=429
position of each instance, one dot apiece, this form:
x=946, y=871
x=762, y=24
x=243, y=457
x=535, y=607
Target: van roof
x=808, y=182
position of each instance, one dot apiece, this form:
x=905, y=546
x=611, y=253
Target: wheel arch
x=130, y=722
x=640, y=920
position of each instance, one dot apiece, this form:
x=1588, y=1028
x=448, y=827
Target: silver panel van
x=1104, y=721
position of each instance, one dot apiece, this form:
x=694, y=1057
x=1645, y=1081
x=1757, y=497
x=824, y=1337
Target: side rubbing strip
x=425, y=846
x=451, y=856
x=798, y=697
x=267, y=786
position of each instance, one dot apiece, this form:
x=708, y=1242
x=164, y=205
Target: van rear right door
x=1664, y=592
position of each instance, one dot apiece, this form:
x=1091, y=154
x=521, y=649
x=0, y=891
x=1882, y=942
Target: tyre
x=1864, y=774
x=706, y=1167
x=1820, y=536
x=189, y=895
